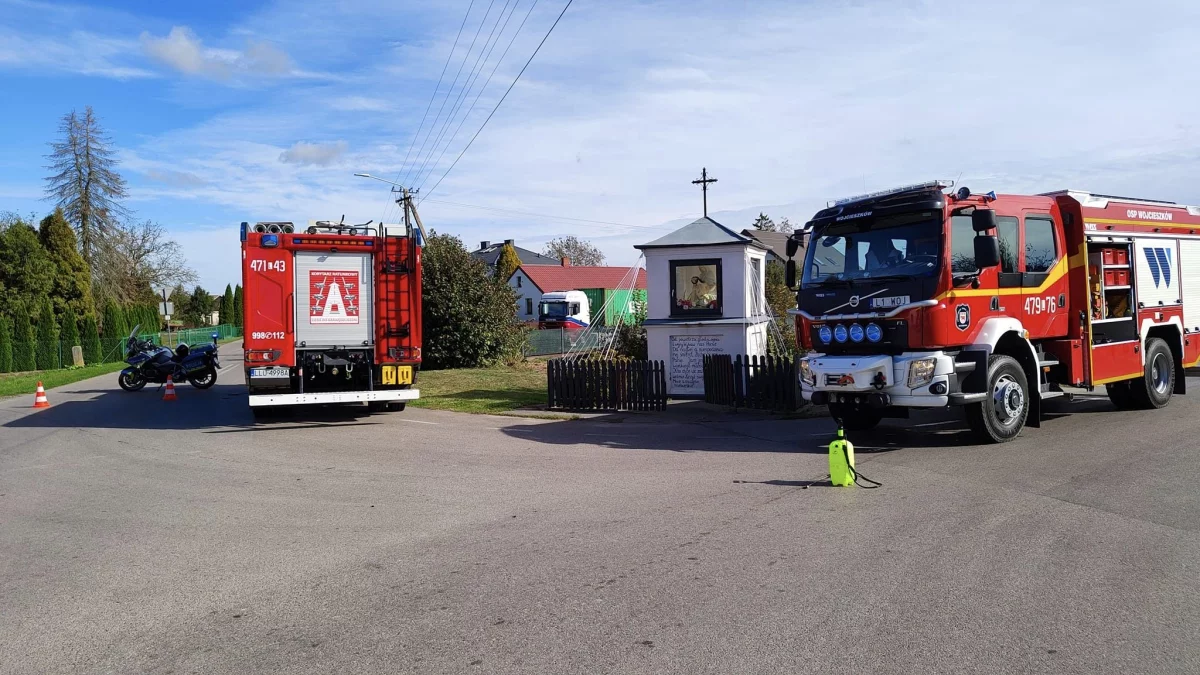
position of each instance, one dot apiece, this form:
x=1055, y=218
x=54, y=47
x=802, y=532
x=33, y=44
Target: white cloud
x=182, y=50
x=319, y=154
x=178, y=178
x=79, y=52
x=786, y=104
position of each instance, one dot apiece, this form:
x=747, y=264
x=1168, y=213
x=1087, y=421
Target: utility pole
x=703, y=183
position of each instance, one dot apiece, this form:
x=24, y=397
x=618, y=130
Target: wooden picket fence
x=579, y=384
x=758, y=382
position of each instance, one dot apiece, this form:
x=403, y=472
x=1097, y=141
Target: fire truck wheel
x=1120, y=395
x=855, y=419
x=1158, y=382
x=1000, y=417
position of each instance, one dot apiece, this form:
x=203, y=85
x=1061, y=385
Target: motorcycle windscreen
x=333, y=299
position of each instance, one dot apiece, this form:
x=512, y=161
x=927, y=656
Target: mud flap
x=1034, y=419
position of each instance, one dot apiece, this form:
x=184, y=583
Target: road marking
x=401, y=419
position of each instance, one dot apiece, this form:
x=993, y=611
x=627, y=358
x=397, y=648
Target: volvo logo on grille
x=853, y=301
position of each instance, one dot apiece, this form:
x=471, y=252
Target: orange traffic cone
x=169, y=394
x=39, y=399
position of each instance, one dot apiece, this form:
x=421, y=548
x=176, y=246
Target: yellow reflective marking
x=1118, y=378
x=1056, y=273
x=388, y=375
x=404, y=374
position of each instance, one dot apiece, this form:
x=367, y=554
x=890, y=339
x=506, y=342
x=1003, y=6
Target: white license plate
x=889, y=303
x=270, y=372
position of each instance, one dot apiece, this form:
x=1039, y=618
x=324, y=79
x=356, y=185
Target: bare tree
x=133, y=259
x=579, y=251
x=85, y=183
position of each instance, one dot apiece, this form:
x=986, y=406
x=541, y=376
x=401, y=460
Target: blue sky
x=230, y=111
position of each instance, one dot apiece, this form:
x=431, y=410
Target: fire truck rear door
x=333, y=299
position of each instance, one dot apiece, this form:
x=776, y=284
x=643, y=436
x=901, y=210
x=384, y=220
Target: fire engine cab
x=925, y=297
x=332, y=314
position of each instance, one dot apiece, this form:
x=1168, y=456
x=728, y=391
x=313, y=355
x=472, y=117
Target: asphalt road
x=138, y=535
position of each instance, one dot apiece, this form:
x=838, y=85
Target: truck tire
x=855, y=419
x=1153, y=390
x=1000, y=417
x=1120, y=395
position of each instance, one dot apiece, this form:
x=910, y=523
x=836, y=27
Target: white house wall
x=525, y=289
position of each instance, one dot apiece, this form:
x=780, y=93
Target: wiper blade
x=892, y=277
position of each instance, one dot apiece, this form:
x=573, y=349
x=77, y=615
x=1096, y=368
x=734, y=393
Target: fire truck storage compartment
x=333, y=299
x=1111, y=292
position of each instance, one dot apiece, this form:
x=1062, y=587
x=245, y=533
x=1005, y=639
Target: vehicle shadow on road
x=222, y=408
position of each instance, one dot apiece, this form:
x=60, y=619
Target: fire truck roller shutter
x=333, y=299
x=1157, y=270
x=1189, y=253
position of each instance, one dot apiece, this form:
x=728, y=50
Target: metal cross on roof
x=703, y=182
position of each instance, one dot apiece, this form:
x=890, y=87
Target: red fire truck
x=332, y=314
x=924, y=297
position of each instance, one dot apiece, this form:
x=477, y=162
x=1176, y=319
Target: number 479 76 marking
x=1036, y=304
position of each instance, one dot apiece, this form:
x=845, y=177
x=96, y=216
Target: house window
x=518, y=281
x=696, y=287
x=528, y=304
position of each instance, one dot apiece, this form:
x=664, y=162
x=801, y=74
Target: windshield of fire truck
x=904, y=245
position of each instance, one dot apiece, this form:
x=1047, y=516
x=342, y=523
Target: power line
x=480, y=61
x=480, y=92
x=501, y=101
x=413, y=141
x=442, y=107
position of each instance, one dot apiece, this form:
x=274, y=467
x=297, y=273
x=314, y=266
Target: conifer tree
x=6, y=345
x=48, y=353
x=93, y=353
x=23, y=358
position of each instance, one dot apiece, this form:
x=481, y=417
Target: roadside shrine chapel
x=705, y=295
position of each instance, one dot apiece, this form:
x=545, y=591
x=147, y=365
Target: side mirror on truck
x=983, y=220
x=793, y=245
x=987, y=251
x=789, y=273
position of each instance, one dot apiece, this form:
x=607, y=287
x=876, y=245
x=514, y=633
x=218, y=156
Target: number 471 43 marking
x=267, y=266
x=1035, y=304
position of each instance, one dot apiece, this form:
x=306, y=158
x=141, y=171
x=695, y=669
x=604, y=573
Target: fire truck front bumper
x=334, y=397
x=908, y=380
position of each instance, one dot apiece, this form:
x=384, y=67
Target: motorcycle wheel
x=131, y=381
x=204, y=379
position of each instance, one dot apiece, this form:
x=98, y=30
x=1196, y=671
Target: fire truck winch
x=920, y=297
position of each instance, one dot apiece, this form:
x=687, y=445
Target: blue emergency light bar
x=269, y=240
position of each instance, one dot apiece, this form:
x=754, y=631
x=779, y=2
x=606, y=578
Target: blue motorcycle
x=150, y=363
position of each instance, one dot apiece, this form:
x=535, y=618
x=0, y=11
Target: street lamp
x=381, y=180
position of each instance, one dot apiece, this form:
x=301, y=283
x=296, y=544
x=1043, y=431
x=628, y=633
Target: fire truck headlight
x=856, y=332
x=825, y=333
x=874, y=332
x=840, y=333
x=806, y=374
x=920, y=372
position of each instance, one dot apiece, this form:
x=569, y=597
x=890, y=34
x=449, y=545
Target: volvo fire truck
x=332, y=313
x=927, y=297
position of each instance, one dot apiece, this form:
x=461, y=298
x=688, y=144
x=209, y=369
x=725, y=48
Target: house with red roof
x=613, y=292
